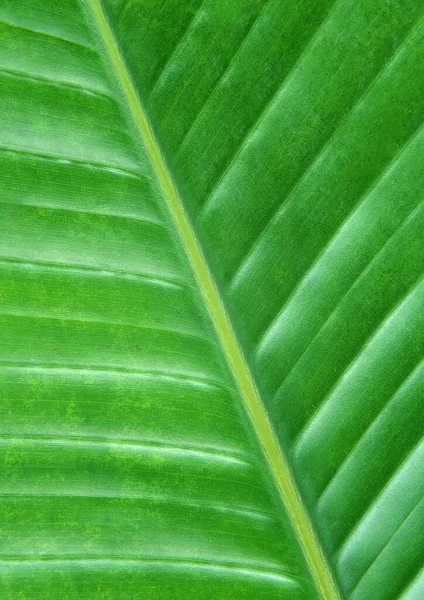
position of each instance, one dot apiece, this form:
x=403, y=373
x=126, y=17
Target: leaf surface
x=130, y=467
x=295, y=132
x=163, y=439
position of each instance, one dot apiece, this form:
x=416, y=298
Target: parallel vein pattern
x=295, y=131
x=130, y=468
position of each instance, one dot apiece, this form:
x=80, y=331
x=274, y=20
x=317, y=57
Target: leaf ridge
x=222, y=76
x=284, y=576
x=158, y=280
x=316, y=158
x=194, y=18
x=242, y=511
x=96, y=166
x=374, y=185
x=203, y=452
x=44, y=33
x=65, y=85
x=366, y=269
x=118, y=324
x=277, y=461
x=265, y=110
x=386, y=322
x=387, y=485
x=99, y=213
x=398, y=528
x=404, y=384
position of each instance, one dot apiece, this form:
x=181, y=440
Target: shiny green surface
x=292, y=136
x=294, y=130
x=129, y=466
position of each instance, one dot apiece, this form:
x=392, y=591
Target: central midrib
x=278, y=463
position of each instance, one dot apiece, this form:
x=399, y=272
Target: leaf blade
x=130, y=466
x=277, y=462
x=298, y=190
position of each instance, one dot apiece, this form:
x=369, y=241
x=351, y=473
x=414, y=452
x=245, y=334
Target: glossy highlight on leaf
x=211, y=300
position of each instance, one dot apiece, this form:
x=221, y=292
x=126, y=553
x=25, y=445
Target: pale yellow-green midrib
x=277, y=461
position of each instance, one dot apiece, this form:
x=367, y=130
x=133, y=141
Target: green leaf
x=212, y=302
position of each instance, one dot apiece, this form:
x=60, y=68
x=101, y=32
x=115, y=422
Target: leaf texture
x=295, y=131
x=293, y=136
x=130, y=468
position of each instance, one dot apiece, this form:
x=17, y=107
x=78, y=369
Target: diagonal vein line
x=404, y=223
x=116, y=370
x=69, y=160
x=398, y=528
x=398, y=392
x=96, y=213
x=380, y=494
x=237, y=102
x=411, y=215
x=242, y=511
x=194, y=18
x=135, y=445
x=399, y=305
x=123, y=9
x=410, y=585
x=277, y=462
x=375, y=183
x=93, y=271
x=187, y=82
x=315, y=159
x=226, y=70
x=118, y=324
x=60, y=84
x=266, y=109
x=47, y=34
